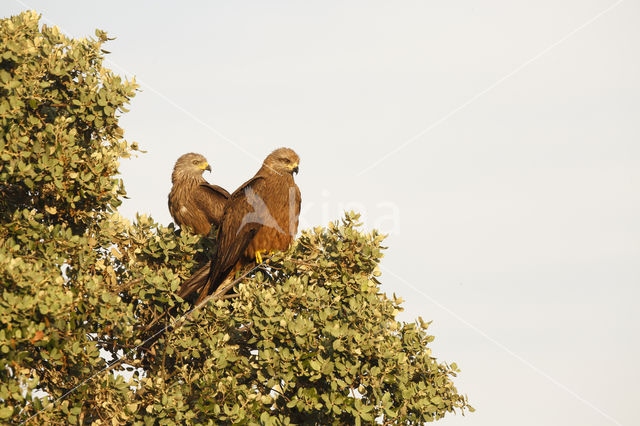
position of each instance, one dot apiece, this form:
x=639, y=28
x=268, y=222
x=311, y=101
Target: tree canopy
x=309, y=339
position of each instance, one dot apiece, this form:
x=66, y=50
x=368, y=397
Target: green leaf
x=81, y=284
x=6, y=412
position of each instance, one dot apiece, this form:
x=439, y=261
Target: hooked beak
x=206, y=166
x=295, y=170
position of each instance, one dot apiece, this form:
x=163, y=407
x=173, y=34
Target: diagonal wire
x=487, y=90
x=172, y=103
x=504, y=348
x=187, y=112
x=176, y=324
x=389, y=154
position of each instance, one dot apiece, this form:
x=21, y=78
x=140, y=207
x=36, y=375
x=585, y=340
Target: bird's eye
x=286, y=160
x=195, y=161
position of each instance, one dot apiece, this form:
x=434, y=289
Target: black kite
x=260, y=216
x=193, y=202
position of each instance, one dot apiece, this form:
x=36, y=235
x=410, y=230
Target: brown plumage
x=193, y=202
x=260, y=216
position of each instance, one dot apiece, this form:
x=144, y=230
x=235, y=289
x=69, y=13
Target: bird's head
x=190, y=165
x=283, y=160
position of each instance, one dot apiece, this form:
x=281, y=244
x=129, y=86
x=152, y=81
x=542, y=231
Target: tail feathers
x=209, y=284
x=196, y=282
x=204, y=281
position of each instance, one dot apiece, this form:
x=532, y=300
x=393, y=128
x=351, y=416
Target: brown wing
x=242, y=220
x=217, y=189
x=296, y=215
x=246, y=184
x=233, y=237
x=197, y=205
x=211, y=200
x=196, y=281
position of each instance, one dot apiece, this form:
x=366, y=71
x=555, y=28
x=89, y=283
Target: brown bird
x=193, y=202
x=260, y=216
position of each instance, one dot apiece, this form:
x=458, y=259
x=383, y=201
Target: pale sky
x=497, y=142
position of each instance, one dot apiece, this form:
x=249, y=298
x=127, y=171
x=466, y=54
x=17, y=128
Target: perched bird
x=193, y=202
x=260, y=216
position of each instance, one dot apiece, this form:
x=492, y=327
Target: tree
x=310, y=338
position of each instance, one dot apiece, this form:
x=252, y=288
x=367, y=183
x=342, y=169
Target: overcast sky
x=497, y=142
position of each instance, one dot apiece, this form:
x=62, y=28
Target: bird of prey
x=260, y=216
x=193, y=202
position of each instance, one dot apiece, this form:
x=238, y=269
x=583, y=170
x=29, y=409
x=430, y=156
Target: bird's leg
x=259, y=256
x=260, y=253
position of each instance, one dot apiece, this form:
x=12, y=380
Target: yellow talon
x=259, y=256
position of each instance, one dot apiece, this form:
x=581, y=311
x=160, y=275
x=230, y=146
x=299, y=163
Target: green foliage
x=311, y=339
x=58, y=113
